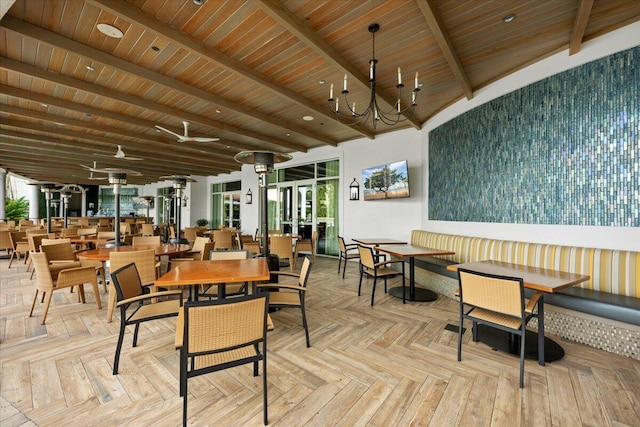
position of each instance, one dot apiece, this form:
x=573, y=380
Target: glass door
x=296, y=208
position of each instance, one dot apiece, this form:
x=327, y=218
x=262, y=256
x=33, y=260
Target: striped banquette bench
x=613, y=291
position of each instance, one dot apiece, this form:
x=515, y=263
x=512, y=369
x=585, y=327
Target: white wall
x=590, y=236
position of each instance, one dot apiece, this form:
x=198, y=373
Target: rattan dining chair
x=223, y=239
x=146, y=264
x=231, y=289
x=495, y=301
x=283, y=247
x=148, y=230
x=304, y=246
x=138, y=306
x=221, y=334
x=370, y=266
x=285, y=294
x=20, y=246
x=346, y=253
x=145, y=240
x=65, y=278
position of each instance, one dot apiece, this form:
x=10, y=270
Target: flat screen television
x=390, y=181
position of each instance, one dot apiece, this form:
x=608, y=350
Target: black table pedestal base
x=500, y=340
x=420, y=294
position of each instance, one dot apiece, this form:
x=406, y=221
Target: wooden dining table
x=377, y=241
x=194, y=273
x=534, y=278
x=410, y=252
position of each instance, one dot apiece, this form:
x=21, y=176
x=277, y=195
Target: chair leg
x=47, y=302
x=264, y=386
x=96, y=293
x=344, y=267
x=111, y=303
x=135, y=334
x=304, y=323
x=373, y=291
x=116, y=359
x=522, y=340
x=360, y=284
x=474, y=330
x=33, y=304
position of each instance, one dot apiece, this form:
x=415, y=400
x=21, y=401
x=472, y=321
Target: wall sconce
x=249, y=197
x=185, y=200
x=354, y=190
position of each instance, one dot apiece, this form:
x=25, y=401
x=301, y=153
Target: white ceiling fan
x=95, y=178
x=186, y=137
x=119, y=155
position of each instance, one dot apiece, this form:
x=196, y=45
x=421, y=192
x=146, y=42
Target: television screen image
x=390, y=181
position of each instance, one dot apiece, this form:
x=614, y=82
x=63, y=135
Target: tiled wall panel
x=565, y=150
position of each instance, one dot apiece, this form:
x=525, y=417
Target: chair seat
x=225, y=357
x=159, y=309
x=384, y=271
x=284, y=298
x=350, y=256
x=230, y=289
x=497, y=318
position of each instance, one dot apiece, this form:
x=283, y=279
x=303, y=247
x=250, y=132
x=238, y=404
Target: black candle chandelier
x=391, y=117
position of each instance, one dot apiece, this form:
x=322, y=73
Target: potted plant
x=202, y=222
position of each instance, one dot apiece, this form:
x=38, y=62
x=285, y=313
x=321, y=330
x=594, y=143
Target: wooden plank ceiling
x=247, y=72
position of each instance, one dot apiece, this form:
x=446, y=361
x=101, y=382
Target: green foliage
x=17, y=209
x=383, y=179
x=202, y=222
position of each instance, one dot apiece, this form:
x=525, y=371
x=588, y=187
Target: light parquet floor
x=387, y=365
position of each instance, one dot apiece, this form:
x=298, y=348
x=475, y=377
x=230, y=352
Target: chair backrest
x=35, y=240
x=223, y=239
x=366, y=256
x=59, y=252
x=127, y=282
x=147, y=230
x=41, y=268
x=216, y=255
x=71, y=230
x=146, y=240
x=26, y=222
x=304, y=272
x=342, y=245
x=275, y=232
x=210, y=326
x=90, y=231
x=145, y=261
x=33, y=230
x=5, y=240
x=190, y=233
x=501, y=294
x=17, y=237
x=198, y=244
x=54, y=241
x=125, y=227
x=251, y=247
x=109, y=235
x=281, y=246
x=104, y=222
x=84, y=222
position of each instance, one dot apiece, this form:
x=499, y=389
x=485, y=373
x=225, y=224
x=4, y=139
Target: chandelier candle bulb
x=331, y=92
x=371, y=70
x=337, y=100
x=398, y=105
x=416, y=81
x=353, y=110
x=413, y=98
x=399, y=76
x=345, y=83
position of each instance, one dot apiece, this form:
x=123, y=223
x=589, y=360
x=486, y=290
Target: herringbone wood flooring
x=388, y=365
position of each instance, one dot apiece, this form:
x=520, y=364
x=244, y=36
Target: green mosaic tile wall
x=565, y=150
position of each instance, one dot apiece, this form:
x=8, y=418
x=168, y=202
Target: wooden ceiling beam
x=59, y=42
x=132, y=14
x=430, y=12
x=276, y=10
x=579, y=26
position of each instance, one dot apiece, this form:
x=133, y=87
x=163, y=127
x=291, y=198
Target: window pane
x=296, y=173
x=329, y=168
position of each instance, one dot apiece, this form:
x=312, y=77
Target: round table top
x=102, y=254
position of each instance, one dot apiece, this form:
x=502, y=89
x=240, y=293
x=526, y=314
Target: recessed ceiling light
x=307, y=118
x=155, y=48
x=110, y=31
x=288, y=134
x=90, y=67
x=510, y=17
x=44, y=105
x=321, y=82
x=218, y=111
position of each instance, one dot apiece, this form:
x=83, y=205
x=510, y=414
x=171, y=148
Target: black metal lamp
x=262, y=162
x=179, y=184
x=148, y=200
x=249, y=196
x=354, y=190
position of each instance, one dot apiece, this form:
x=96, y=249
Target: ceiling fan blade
x=203, y=139
x=133, y=159
x=169, y=131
